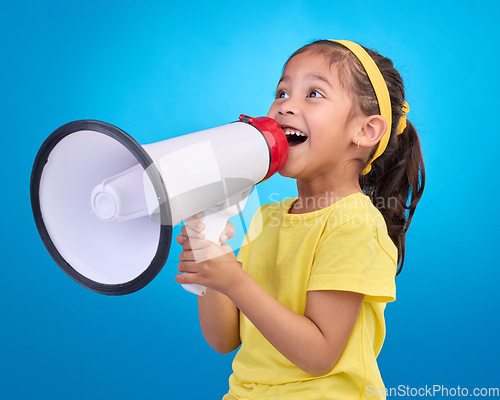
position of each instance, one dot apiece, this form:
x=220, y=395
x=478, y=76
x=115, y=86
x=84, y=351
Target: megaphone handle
x=196, y=289
x=215, y=223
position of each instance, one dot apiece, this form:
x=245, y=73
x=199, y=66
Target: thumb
x=228, y=233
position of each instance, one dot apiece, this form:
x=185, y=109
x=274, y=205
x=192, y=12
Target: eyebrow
x=311, y=76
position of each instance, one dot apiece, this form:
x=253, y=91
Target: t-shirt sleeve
x=357, y=258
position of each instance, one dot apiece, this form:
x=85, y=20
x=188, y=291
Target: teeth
x=289, y=132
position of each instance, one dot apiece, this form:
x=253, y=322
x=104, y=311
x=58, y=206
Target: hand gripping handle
x=215, y=220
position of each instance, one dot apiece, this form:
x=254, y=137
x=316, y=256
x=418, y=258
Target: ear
x=372, y=130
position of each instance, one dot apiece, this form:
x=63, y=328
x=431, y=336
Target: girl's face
x=314, y=110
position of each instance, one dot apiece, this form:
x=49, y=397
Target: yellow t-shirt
x=344, y=246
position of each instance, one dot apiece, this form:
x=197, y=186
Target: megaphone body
x=105, y=205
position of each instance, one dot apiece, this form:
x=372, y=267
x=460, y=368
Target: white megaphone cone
x=105, y=205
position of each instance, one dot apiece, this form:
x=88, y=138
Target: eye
x=281, y=94
x=314, y=93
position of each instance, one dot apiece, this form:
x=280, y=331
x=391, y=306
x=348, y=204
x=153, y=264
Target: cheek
x=320, y=126
x=273, y=111
x=329, y=136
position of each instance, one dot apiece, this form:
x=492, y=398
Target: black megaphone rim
x=147, y=163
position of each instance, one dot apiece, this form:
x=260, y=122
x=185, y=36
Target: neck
x=321, y=193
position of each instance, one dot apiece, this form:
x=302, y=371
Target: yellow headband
x=402, y=120
x=382, y=94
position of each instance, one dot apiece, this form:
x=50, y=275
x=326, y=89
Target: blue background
x=158, y=69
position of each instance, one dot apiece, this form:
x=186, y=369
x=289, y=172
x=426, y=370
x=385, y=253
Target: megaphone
x=105, y=206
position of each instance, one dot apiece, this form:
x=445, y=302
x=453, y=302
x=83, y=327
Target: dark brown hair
x=396, y=181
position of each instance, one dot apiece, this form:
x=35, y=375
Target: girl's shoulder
x=278, y=207
x=356, y=207
x=358, y=220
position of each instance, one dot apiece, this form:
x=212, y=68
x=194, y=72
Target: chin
x=288, y=173
x=293, y=168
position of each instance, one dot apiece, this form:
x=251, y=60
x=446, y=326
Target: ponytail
x=395, y=186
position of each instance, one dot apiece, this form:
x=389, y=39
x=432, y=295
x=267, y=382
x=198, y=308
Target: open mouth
x=294, y=136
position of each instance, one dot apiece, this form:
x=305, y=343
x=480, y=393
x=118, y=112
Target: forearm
x=295, y=336
x=219, y=320
x=313, y=341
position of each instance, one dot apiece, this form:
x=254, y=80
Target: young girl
x=306, y=296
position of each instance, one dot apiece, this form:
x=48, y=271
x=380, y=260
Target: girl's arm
x=219, y=317
x=313, y=341
x=219, y=320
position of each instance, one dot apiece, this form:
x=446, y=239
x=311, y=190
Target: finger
x=202, y=250
x=187, y=279
x=186, y=244
x=195, y=250
x=193, y=256
x=186, y=255
x=187, y=267
x=198, y=244
x=195, y=224
x=228, y=233
x=181, y=239
x=191, y=233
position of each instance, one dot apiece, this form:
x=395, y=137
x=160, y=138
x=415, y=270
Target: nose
x=288, y=107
